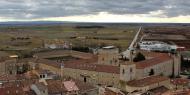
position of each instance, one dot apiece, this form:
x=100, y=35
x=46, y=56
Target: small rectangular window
x=111, y=62
x=131, y=70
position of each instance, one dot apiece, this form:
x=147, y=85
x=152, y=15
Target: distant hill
x=29, y=23
x=23, y=23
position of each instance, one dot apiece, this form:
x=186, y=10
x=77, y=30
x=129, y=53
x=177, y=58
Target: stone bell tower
x=108, y=55
x=177, y=64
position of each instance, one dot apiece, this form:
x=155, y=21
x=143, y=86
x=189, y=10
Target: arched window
x=151, y=72
x=131, y=70
x=123, y=72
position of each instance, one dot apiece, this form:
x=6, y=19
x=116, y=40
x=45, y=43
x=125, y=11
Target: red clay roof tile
x=153, y=61
x=147, y=81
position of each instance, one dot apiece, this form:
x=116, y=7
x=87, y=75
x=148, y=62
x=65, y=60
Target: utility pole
x=62, y=66
x=71, y=45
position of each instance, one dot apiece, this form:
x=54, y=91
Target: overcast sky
x=96, y=10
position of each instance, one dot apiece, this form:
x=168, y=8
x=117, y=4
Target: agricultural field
x=30, y=37
x=179, y=35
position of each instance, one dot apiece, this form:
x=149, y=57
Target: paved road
x=135, y=39
x=126, y=54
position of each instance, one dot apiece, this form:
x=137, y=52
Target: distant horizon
x=28, y=21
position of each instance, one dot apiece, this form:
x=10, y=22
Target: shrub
x=139, y=57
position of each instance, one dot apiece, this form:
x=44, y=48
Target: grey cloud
x=27, y=9
x=178, y=7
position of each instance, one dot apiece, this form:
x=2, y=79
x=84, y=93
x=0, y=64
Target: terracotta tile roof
x=16, y=88
x=147, y=81
x=48, y=62
x=153, y=61
x=5, y=78
x=83, y=87
x=30, y=92
x=56, y=53
x=93, y=67
x=12, y=91
x=88, y=62
x=177, y=92
x=180, y=81
x=10, y=78
x=158, y=90
x=57, y=86
x=82, y=64
x=2, y=91
x=151, y=54
x=109, y=91
x=22, y=83
x=70, y=86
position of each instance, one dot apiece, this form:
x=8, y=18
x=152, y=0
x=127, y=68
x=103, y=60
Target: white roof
x=109, y=47
x=13, y=56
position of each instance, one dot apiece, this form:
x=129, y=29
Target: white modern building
x=156, y=46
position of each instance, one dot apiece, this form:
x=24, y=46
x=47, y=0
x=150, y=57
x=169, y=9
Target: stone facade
x=128, y=72
x=164, y=68
x=108, y=56
x=96, y=78
x=2, y=68
x=148, y=83
x=177, y=64
x=11, y=67
x=8, y=66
